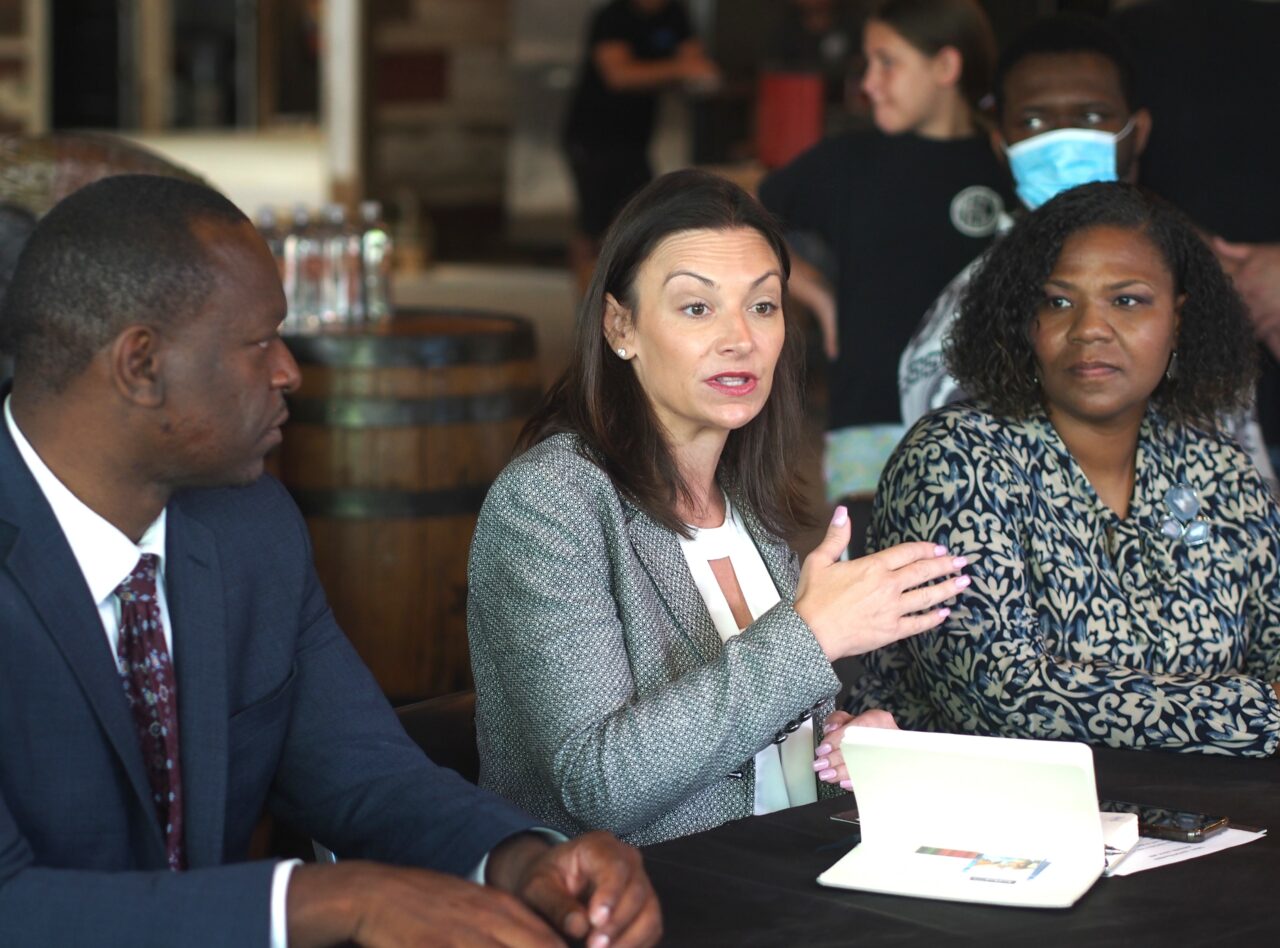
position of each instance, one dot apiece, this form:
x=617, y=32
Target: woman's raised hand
x=857, y=606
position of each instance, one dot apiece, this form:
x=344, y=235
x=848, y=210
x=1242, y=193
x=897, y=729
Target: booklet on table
x=974, y=819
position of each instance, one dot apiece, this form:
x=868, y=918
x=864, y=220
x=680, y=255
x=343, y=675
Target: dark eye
x=1033, y=123
x=1057, y=302
x=1129, y=300
x=1092, y=118
x=696, y=309
x=764, y=307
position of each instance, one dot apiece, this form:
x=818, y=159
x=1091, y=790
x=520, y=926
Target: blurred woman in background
x=901, y=209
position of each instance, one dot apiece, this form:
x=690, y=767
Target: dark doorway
x=85, y=40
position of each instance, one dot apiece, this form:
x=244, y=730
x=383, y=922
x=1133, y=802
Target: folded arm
x=623, y=71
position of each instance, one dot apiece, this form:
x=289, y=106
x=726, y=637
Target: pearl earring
x=622, y=353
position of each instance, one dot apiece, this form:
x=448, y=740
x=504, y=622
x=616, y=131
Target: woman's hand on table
x=860, y=605
x=829, y=759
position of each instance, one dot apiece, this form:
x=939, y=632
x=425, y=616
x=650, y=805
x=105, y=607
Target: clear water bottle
x=375, y=260
x=269, y=228
x=341, y=274
x=303, y=271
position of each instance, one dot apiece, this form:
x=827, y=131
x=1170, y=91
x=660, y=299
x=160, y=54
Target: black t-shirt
x=1207, y=72
x=901, y=215
x=598, y=114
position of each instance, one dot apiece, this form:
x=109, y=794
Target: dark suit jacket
x=275, y=709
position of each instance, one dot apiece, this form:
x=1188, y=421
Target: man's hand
x=592, y=887
x=381, y=906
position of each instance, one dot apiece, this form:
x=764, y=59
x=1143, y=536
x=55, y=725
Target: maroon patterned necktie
x=147, y=672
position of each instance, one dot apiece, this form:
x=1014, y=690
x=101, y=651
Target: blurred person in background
x=819, y=36
x=1064, y=115
x=901, y=208
x=635, y=49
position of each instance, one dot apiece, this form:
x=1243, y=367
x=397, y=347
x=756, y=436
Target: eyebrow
x=707, y=281
x=1118, y=285
x=1098, y=105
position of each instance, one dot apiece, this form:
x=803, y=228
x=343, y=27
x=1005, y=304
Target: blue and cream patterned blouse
x=1080, y=625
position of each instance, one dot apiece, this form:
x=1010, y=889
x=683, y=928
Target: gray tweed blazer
x=604, y=697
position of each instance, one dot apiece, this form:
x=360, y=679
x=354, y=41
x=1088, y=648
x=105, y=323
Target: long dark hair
x=990, y=352
x=600, y=399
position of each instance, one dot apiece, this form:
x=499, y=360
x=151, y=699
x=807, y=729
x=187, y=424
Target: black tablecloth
x=751, y=882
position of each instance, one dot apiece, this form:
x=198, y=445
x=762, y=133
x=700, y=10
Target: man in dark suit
x=170, y=665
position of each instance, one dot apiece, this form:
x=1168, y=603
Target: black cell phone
x=1161, y=822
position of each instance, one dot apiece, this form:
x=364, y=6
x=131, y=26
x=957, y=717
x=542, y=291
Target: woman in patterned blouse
x=1125, y=581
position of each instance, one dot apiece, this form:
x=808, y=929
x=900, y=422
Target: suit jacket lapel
x=194, y=592
x=42, y=564
x=659, y=552
x=775, y=552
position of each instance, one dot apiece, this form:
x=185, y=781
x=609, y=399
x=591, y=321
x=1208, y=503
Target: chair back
x=445, y=727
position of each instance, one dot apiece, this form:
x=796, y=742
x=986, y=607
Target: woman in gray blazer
x=619, y=556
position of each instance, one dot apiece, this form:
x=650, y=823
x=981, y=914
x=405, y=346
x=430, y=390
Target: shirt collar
x=106, y=556
x=1149, y=464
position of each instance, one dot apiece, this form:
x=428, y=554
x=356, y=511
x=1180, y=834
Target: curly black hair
x=990, y=352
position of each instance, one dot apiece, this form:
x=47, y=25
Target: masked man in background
x=1065, y=116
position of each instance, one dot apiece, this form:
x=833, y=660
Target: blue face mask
x=1056, y=161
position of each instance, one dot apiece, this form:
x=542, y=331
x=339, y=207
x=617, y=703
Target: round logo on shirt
x=975, y=211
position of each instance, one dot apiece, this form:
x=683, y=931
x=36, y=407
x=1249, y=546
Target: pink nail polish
x=823, y=750
x=828, y=728
x=939, y=550
x=962, y=581
x=826, y=774
x=960, y=562
x=822, y=764
x=840, y=517
x=846, y=784
x=944, y=612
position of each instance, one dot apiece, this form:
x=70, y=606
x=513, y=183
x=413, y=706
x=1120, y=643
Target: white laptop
x=972, y=819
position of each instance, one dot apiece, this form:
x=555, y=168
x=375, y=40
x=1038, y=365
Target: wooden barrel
x=38, y=171
x=393, y=439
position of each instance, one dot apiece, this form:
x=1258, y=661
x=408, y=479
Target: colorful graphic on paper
x=980, y=867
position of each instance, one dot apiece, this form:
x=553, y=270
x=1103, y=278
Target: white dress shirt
x=784, y=772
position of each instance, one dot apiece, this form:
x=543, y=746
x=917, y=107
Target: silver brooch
x=1184, y=521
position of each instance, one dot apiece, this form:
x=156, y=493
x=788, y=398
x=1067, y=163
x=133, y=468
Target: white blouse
x=784, y=772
